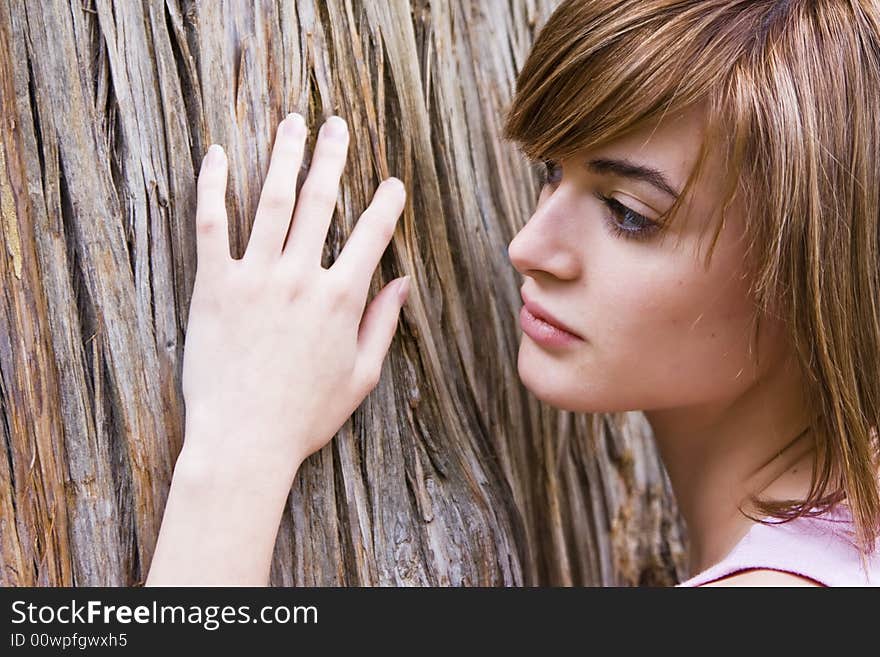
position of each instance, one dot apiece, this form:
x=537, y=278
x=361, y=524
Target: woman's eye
x=551, y=172
x=624, y=222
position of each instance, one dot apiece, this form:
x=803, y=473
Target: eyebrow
x=628, y=169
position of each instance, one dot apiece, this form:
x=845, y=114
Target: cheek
x=672, y=333
x=659, y=335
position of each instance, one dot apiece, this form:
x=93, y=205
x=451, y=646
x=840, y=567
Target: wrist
x=217, y=529
x=226, y=459
x=196, y=471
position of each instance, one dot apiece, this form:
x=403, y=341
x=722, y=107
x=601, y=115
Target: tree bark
x=450, y=472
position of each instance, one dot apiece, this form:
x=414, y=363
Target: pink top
x=821, y=548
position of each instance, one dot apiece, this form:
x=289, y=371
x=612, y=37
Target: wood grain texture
x=450, y=472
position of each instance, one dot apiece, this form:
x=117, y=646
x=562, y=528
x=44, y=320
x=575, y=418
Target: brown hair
x=792, y=95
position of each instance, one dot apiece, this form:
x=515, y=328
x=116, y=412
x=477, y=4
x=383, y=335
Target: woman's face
x=658, y=329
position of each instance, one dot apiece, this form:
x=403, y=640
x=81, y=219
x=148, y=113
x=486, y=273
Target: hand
x=277, y=355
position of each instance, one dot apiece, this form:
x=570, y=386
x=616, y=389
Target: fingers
x=318, y=195
x=369, y=239
x=278, y=197
x=212, y=230
x=377, y=330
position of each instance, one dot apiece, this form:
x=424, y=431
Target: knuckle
x=381, y=231
x=295, y=282
x=209, y=216
x=318, y=193
x=295, y=286
x=379, y=226
x=276, y=201
x=339, y=292
x=207, y=225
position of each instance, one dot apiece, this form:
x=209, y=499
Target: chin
x=566, y=388
x=548, y=380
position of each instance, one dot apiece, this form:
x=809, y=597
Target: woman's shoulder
x=807, y=551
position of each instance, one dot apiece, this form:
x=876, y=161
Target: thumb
x=379, y=324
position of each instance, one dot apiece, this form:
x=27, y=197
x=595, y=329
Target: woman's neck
x=717, y=454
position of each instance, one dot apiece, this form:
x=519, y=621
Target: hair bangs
x=600, y=69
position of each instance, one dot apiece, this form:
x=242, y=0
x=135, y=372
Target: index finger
x=212, y=226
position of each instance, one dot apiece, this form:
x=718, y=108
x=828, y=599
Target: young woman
x=753, y=354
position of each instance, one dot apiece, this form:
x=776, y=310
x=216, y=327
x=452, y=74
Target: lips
x=538, y=311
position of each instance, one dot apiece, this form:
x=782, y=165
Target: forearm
x=220, y=524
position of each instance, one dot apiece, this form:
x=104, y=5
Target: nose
x=545, y=245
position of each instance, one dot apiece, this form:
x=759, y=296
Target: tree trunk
x=450, y=472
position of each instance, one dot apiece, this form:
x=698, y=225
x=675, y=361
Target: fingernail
x=403, y=289
x=393, y=181
x=213, y=157
x=335, y=127
x=293, y=123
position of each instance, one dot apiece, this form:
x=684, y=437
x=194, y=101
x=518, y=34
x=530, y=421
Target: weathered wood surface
x=450, y=472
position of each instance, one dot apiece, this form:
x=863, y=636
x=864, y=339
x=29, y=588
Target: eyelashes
x=631, y=224
x=549, y=171
x=622, y=222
